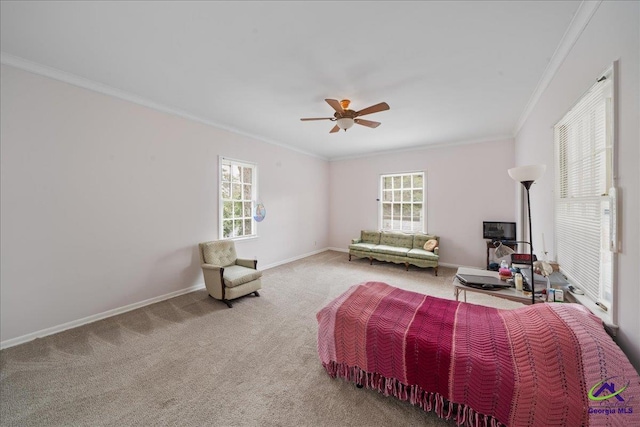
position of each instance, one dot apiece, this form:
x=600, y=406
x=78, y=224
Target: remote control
x=576, y=290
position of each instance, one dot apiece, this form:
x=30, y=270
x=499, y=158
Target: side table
x=510, y=294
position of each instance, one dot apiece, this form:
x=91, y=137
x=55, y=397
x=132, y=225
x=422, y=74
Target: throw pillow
x=430, y=245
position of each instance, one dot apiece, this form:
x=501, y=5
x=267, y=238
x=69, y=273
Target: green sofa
x=396, y=247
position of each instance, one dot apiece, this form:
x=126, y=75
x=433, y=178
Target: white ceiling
x=453, y=72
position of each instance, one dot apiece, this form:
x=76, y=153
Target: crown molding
x=75, y=80
x=446, y=144
x=580, y=20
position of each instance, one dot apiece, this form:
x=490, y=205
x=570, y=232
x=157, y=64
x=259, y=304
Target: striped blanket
x=541, y=365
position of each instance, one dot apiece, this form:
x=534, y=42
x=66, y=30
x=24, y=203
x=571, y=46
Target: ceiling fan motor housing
x=345, y=114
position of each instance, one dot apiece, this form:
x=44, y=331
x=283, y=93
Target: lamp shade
x=503, y=250
x=345, y=123
x=527, y=173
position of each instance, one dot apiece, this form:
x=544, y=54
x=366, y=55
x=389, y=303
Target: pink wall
x=612, y=34
x=466, y=184
x=104, y=202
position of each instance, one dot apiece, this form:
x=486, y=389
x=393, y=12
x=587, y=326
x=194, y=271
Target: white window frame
x=245, y=216
x=585, y=216
x=395, y=197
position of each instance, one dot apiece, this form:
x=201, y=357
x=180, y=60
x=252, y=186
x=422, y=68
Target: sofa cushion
x=419, y=239
x=369, y=236
x=401, y=240
x=430, y=245
x=365, y=247
x=422, y=254
x=391, y=250
x=235, y=275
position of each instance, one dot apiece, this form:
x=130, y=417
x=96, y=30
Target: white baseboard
x=75, y=323
x=445, y=264
x=286, y=261
x=90, y=319
x=345, y=250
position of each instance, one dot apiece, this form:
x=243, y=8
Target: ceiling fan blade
x=334, y=129
x=373, y=109
x=335, y=104
x=367, y=123
x=316, y=118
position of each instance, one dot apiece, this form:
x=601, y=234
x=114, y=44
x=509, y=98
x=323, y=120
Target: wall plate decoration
x=259, y=212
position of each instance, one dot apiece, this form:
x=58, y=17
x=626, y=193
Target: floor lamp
x=527, y=175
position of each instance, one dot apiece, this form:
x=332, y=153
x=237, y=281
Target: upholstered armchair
x=225, y=275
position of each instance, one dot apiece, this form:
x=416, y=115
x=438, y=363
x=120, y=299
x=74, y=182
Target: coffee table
x=505, y=293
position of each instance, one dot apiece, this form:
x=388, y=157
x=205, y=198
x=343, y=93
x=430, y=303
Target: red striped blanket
x=542, y=365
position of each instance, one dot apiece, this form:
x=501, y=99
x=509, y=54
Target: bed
x=540, y=365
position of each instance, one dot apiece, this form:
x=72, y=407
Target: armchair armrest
x=211, y=267
x=249, y=263
x=213, y=280
x=435, y=250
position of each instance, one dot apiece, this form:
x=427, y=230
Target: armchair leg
x=349, y=257
x=435, y=271
x=256, y=293
x=226, y=301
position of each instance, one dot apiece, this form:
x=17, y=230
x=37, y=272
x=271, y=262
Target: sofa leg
x=370, y=261
x=435, y=271
x=226, y=301
x=349, y=257
x=256, y=293
x=407, y=265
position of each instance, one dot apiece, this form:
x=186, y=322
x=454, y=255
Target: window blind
x=582, y=206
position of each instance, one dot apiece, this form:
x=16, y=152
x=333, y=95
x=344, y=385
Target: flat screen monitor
x=499, y=230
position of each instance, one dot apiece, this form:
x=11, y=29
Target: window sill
x=612, y=329
x=237, y=239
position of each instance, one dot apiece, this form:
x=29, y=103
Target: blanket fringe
x=430, y=402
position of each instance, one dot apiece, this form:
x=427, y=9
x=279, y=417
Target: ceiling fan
x=345, y=118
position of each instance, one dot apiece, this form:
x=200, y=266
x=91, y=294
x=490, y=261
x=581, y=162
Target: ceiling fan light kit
x=345, y=118
x=345, y=123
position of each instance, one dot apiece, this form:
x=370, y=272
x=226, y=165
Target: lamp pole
x=527, y=185
x=526, y=175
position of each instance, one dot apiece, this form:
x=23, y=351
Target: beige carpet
x=191, y=361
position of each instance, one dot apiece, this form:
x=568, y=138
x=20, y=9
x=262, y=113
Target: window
x=402, y=202
x=238, y=190
x=585, y=198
